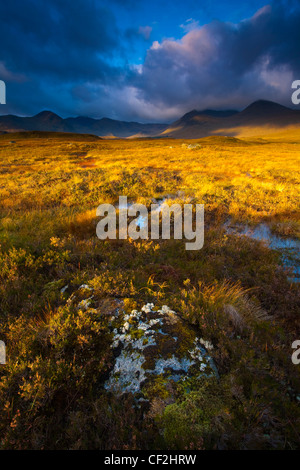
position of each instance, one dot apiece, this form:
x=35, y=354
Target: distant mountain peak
x=265, y=105
x=190, y=115
x=47, y=115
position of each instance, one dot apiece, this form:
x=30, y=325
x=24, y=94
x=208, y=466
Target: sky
x=146, y=61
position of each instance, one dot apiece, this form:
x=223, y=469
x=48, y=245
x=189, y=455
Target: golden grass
x=250, y=179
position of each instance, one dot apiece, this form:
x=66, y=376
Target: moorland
x=51, y=393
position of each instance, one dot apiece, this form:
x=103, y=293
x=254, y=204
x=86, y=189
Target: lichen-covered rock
x=155, y=352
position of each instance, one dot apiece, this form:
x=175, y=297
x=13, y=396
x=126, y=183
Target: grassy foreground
x=51, y=390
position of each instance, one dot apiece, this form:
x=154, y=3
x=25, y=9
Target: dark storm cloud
x=65, y=40
x=226, y=64
x=55, y=46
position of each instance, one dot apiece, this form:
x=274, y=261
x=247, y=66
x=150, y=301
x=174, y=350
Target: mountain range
x=194, y=124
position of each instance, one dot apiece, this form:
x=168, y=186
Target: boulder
x=155, y=353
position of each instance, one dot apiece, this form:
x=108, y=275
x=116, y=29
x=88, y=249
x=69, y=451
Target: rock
x=155, y=352
x=191, y=146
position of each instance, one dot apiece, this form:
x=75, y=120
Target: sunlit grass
x=248, y=180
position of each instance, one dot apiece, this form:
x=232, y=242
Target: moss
x=149, y=363
x=180, y=332
x=194, y=422
x=157, y=387
x=136, y=333
x=164, y=347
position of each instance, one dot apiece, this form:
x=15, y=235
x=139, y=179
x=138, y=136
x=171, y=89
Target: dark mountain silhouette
x=261, y=113
x=51, y=122
x=270, y=113
x=194, y=124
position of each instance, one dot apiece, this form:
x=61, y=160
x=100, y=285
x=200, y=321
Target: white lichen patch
x=154, y=343
x=127, y=374
x=173, y=363
x=147, y=308
x=207, y=344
